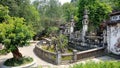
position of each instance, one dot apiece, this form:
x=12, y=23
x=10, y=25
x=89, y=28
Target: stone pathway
x=28, y=51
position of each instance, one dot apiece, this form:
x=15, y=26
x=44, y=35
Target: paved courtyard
x=28, y=51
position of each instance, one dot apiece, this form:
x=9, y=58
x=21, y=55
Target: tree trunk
x=16, y=53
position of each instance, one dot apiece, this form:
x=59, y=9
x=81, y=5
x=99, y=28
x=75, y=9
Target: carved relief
x=115, y=30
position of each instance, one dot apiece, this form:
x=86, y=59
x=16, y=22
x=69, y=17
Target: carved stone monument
x=72, y=24
x=85, y=24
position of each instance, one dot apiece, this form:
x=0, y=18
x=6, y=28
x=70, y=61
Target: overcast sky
x=62, y=1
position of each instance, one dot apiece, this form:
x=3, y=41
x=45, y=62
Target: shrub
x=18, y=62
x=4, y=52
x=110, y=64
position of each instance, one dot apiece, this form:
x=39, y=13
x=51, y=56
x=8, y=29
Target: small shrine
x=68, y=28
x=113, y=33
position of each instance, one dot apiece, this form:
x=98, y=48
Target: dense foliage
x=110, y=64
x=18, y=62
x=98, y=11
x=69, y=9
x=4, y=51
x=43, y=14
x=60, y=43
x=115, y=4
x=24, y=9
x=50, y=12
x=51, y=31
x=14, y=32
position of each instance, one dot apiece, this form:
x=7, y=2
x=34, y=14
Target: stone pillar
x=72, y=25
x=74, y=55
x=85, y=22
x=108, y=38
x=104, y=38
x=58, y=58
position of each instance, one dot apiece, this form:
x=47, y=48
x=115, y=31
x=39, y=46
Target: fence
x=46, y=55
x=58, y=58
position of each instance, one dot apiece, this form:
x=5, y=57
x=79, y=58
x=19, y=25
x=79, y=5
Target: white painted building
x=113, y=33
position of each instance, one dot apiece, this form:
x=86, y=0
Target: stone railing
x=92, y=53
x=44, y=54
x=58, y=58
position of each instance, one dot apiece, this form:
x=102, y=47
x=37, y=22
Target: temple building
x=113, y=33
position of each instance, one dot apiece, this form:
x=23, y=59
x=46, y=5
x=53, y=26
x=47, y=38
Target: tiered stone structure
x=85, y=24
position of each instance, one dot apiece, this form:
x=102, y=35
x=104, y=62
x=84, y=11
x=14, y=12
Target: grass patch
x=4, y=52
x=66, y=58
x=110, y=64
x=51, y=49
x=18, y=62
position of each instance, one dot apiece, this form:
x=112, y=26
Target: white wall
x=113, y=34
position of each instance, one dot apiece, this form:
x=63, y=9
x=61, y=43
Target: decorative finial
x=72, y=18
x=85, y=14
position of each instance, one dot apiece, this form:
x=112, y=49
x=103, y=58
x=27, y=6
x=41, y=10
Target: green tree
x=115, y=4
x=68, y=10
x=3, y=13
x=14, y=33
x=50, y=12
x=13, y=7
x=98, y=11
x=52, y=30
x=60, y=43
x=23, y=8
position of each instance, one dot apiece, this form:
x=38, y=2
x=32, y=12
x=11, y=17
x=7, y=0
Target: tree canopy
x=14, y=32
x=50, y=12
x=24, y=9
x=98, y=11
x=69, y=9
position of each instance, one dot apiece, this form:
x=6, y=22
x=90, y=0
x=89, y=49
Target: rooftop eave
x=113, y=22
x=115, y=13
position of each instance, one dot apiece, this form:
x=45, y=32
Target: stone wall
x=92, y=53
x=58, y=58
x=46, y=55
x=113, y=39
